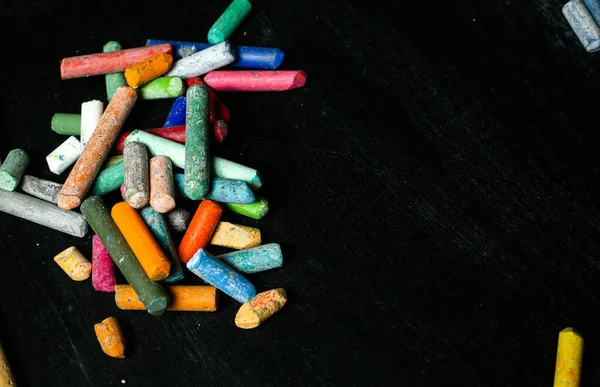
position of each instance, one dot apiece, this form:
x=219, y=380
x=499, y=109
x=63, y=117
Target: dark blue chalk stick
x=177, y=114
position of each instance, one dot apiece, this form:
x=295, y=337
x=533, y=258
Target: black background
x=433, y=187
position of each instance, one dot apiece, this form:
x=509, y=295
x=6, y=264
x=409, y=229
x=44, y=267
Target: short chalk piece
x=151, y=293
x=174, y=133
x=256, y=259
x=569, y=357
x=113, y=160
x=162, y=88
x=43, y=213
x=13, y=169
x=221, y=190
x=64, y=156
x=91, y=111
x=107, y=62
x=6, y=377
x=103, y=267
x=142, y=242
x=114, y=80
x=231, y=170
x=111, y=337
x=108, y=180
x=143, y=72
x=197, y=168
x=205, y=61
x=235, y=236
x=200, y=230
x=135, y=164
x=162, y=191
x=66, y=123
x=158, y=226
x=583, y=24
x=176, y=115
x=77, y=267
x=40, y=188
x=256, y=210
x=178, y=220
x=259, y=308
x=229, y=21
x=92, y=158
x=221, y=276
x=248, y=57
x=255, y=80
x=184, y=298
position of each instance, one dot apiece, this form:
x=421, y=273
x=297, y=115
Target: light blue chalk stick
x=222, y=190
x=177, y=114
x=583, y=24
x=254, y=260
x=221, y=276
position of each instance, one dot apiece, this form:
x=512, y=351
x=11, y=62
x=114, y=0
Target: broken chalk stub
x=110, y=337
x=64, y=156
x=235, y=236
x=77, y=267
x=259, y=308
x=13, y=169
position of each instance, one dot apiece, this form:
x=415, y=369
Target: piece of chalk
x=147, y=70
x=108, y=180
x=151, y=293
x=205, y=61
x=113, y=160
x=229, y=21
x=6, y=377
x=103, y=268
x=64, y=156
x=256, y=259
x=200, y=230
x=569, y=357
x=221, y=276
x=66, y=123
x=184, y=298
x=162, y=88
x=221, y=190
x=173, y=133
x=110, y=337
x=256, y=210
x=178, y=220
x=262, y=306
x=228, y=169
x=197, y=168
x=91, y=111
x=13, y=169
x=247, y=57
x=43, y=213
x=40, y=188
x=593, y=7
x=95, y=152
x=107, y=62
x=162, y=192
x=77, y=267
x=220, y=130
x=114, y=80
x=583, y=24
x=255, y=80
x=218, y=110
x=135, y=164
x=235, y=236
x=177, y=113
x=158, y=227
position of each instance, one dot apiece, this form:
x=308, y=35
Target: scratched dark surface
x=434, y=189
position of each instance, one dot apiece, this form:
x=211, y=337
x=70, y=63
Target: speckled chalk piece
x=40, y=188
x=569, y=358
x=202, y=62
x=91, y=111
x=235, y=236
x=197, y=169
x=178, y=220
x=77, y=267
x=256, y=259
x=103, y=267
x=135, y=160
x=221, y=276
x=43, y=213
x=13, y=169
x=583, y=24
x=64, y=156
x=259, y=308
x=162, y=192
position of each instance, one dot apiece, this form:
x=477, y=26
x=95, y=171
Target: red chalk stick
x=255, y=80
x=173, y=133
x=108, y=62
x=218, y=110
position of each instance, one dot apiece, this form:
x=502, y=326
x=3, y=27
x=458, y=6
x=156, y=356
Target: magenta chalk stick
x=103, y=267
x=255, y=80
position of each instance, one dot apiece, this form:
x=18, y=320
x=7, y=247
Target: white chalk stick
x=203, y=62
x=91, y=111
x=64, y=156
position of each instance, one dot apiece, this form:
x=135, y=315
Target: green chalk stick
x=108, y=180
x=13, y=169
x=113, y=160
x=229, y=21
x=160, y=88
x=115, y=80
x=66, y=123
x=256, y=210
x=197, y=170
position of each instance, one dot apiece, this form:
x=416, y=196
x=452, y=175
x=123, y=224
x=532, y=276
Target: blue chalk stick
x=248, y=57
x=177, y=114
x=222, y=190
x=256, y=259
x=221, y=276
x=583, y=24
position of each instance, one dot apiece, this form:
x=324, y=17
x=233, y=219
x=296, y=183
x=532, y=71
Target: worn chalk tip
x=7, y=181
x=162, y=204
x=215, y=36
x=68, y=202
x=570, y=330
x=255, y=182
x=157, y=306
x=246, y=318
x=195, y=190
x=278, y=59
x=299, y=80
x=137, y=200
x=111, y=46
x=132, y=77
x=176, y=87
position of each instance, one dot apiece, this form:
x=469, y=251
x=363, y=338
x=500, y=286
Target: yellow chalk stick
x=235, y=236
x=74, y=264
x=259, y=308
x=6, y=378
x=569, y=356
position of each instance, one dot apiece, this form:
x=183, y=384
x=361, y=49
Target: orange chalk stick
x=142, y=243
x=94, y=154
x=148, y=70
x=110, y=337
x=183, y=298
x=200, y=230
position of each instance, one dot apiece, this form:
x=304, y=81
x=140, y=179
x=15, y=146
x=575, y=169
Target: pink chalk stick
x=255, y=80
x=103, y=267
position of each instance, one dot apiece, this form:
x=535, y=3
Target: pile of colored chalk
x=155, y=169
x=584, y=18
